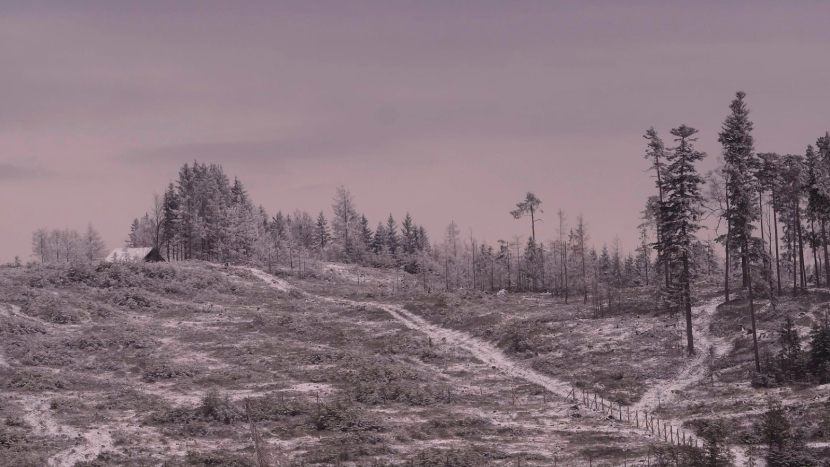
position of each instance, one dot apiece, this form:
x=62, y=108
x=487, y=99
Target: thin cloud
x=10, y=172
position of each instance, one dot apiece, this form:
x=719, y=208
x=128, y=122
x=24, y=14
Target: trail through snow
x=496, y=358
x=695, y=369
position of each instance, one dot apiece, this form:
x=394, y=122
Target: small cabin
x=146, y=255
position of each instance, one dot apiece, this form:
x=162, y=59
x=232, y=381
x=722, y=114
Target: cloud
x=10, y=172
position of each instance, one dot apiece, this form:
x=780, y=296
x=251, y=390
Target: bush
x=342, y=416
x=218, y=408
x=220, y=458
x=10, y=439
x=36, y=381
x=165, y=371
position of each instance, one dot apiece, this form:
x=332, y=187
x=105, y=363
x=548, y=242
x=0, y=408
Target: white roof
x=128, y=254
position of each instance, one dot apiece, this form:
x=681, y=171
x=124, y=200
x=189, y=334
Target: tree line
x=750, y=194
x=67, y=246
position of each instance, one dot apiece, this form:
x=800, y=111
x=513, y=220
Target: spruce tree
x=741, y=183
x=820, y=351
x=379, y=239
x=392, y=239
x=408, y=233
x=322, y=235
x=682, y=212
x=366, y=236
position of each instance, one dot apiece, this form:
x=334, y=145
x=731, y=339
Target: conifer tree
x=528, y=207
x=769, y=177
x=366, y=236
x=580, y=239
x=682, y=211
x=322, y=234
x=392, y=239
x=656, y=153
x=741, y=166
x=820, y=350
x=408, y=233
x=379, y=239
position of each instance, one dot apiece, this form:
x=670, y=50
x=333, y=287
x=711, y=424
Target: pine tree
x=716, y=452
x=769, y=177
x=392, y=239
x=423, y=240
x=171, y=219
x=379, y=239
x=366, y=236
x=322, y=235
x=644, y=255
x=580, y=239
x=682, y=213
x=408, y=233
x=820, y=351
x=528, y=207
x=741, y=167
x=790, y=354
x=656, y=152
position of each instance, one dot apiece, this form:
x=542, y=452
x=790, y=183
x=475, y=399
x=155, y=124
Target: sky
x=448, y=110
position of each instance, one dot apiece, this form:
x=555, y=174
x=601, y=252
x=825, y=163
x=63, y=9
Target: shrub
x=342, y=416
x=165, y=371
x=218, y=408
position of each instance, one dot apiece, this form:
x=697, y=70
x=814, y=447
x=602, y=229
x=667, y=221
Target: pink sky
x=448, y=110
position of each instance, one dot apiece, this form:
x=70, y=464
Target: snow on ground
x=274, y=282
x=87, y=443
x=482, y=350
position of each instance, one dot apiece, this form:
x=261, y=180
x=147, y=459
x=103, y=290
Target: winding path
x=693, y=372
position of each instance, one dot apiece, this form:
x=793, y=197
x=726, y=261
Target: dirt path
x=664, y=390
x=695, y=370
x=482, y=350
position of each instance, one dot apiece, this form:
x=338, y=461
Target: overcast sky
x=448, y=110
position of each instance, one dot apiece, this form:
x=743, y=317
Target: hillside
x=155, y=364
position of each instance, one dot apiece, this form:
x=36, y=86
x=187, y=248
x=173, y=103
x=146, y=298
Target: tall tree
x=563, y=252
x=580, y=239
x=682, y=211
x=656, y=154
x=770, y=180
x=823, y=190
x=741, y=191
x=741, y=183
x=528, y=207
